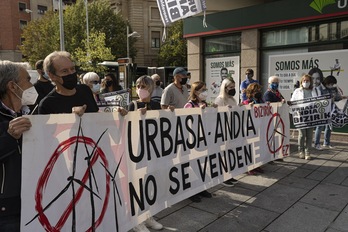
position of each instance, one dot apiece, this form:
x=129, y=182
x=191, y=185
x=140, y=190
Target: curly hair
x=252, y=89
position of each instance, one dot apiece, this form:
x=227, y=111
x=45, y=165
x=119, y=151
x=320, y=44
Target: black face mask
x=108, y=83
x=258, y=95
x=183, y=80
x=232, y=92
x=70, y=81
x=158, y=83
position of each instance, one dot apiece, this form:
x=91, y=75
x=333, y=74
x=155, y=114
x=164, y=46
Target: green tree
x=93, y=53
x=41, y=37
x=173, y=52
x=101, y=20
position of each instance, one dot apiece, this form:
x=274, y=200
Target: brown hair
x=252, y=89
x=197, y=85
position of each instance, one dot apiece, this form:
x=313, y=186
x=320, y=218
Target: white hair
x=272, y=78
x=90, y=76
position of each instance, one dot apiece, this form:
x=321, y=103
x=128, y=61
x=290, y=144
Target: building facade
x=285, y=38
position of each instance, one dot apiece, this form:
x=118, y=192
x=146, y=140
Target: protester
x=92, y=80
x=158, y=91
x=175, y=95
x=226, y=98
x=110, y=83
x=227, y=93
x=16, y=91
x=305, y=135
x=254, y=96
x=43, y=84
x=317, y=76
x=328, y=86
x=144, y=88
x=272, y=94
x=67, y=97
x=197, y=99
x=249, y=74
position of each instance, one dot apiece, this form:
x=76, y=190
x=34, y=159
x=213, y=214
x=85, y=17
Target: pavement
x=291, y=195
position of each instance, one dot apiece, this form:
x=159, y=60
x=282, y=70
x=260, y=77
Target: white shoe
x=329, y=146
x=318, y=147
x=308, y=157
x=141, y=228
x=301, y=155
x=150, y=222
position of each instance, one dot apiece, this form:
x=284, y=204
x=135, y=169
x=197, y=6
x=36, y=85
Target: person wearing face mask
x=197, y=99
x=110, y=83
x=67, y=97
x=158, y=91
x=272, y=94
x=227, y=93
x=43, y=85
x=144, y=88
x=226, y=98
x=175, y=95
x=254, y=96
x=91, y=79
x=305, y=136
x=249, y=74
x=16, y=91
x=328, y=86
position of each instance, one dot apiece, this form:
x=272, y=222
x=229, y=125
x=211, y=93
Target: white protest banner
x=109, y=172
x=173, y=10
x=218, y=69
x=311, y=112
x=291, y=67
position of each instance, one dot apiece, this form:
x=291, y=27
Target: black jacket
x=10, y=167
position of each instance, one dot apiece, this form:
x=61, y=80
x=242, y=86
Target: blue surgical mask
x=96, y=88
x=274, y=86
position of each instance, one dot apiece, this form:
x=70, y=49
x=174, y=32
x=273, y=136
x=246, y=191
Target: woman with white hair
x=92, y=80
x=272, y=94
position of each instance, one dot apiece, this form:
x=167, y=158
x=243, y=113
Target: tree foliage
x=173, y=52
x=42, y=36
x=95, y=52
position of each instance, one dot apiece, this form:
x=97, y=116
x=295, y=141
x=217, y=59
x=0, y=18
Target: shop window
x=223, y=44
x=306, y=34
x=344, y=29
x=22, y=24
x=41, y=9
x=155, y=14
x=22, y=6
x=155, y=39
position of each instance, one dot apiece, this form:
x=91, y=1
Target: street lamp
x=133, y=34
x=87, y=26
x=61, y=26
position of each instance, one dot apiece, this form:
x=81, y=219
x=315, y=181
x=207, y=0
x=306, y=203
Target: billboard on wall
x=215, y=71
x=290, y=68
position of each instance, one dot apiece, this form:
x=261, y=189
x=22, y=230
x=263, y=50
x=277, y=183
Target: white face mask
x=306, y=85
x=203, y=95
x=29, y=96
x=96, y=88
x=143, y=93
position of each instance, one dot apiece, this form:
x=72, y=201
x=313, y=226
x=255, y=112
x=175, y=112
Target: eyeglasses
x=95, y=82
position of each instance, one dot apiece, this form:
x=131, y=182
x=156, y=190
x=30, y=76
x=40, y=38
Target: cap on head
x=180, y=70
